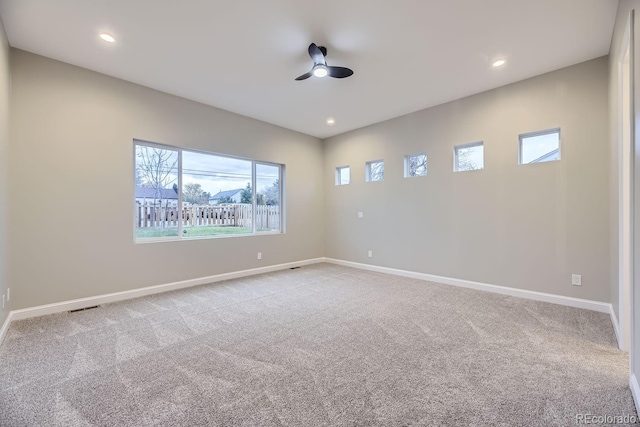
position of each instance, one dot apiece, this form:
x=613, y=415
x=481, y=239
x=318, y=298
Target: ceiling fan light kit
x=320, y=68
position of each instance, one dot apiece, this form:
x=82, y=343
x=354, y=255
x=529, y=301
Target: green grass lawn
x=199, y=231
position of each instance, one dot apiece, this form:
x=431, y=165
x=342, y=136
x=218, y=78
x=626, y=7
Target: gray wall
x=72, y=184
x=527, y=226
x=4, y=170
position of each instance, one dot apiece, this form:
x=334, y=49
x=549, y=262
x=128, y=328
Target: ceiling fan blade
x=339, y=72
x=316, y=54
x=305, y=76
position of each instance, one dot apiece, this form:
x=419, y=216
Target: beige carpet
x=322, y=345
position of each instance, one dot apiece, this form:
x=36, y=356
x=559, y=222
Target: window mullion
x=180, y=222
x=254, y=204
x=280, y=198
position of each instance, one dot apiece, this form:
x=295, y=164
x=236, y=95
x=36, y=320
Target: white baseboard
x=616, y=326
x=602, y=307
x=5, y=327
x=75, y=304
x=635, y=391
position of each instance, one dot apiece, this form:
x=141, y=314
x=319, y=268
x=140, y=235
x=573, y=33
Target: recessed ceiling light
x=499, y=63
x=107, y=37
x=331, y=121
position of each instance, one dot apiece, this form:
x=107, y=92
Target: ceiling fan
x=320, y=67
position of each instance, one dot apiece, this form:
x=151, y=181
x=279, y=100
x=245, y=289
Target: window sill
x=144, y=241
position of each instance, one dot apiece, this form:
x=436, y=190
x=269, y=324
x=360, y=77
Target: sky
x=474, y=154
x=345, y=175
x=218, y=173
x=229, y=174
x=534, y=147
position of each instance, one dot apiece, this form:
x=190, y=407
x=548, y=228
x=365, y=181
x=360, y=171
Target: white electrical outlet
x=360, y=215
x=259, y=255
x=370, y=254
x=8, y=294
x=576, y=280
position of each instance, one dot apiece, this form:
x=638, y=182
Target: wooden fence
x=150, y=215
x=267, y=217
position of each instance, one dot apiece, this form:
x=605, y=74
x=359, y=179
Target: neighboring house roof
x=150, y=193
x=223, y=194
x=551, y=155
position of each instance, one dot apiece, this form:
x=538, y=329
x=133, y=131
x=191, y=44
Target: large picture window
x=182, y=194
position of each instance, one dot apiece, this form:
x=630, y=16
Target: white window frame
x=368, y=170
x=539, y=133
x=339, y=170
x=180, y=236
x=406, y=164
x=461, y=147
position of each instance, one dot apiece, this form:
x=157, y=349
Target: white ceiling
x=243, y=56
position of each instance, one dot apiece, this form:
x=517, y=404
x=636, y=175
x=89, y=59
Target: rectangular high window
x=539, y=147
x=415, y=165
x=468, y=157
x=375, y=171
x=343, y=175
x=216, y=197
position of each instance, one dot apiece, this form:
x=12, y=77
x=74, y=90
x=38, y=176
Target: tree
x=465, y=163
x=156, y=168
x=139, y=179
x=225, y=199
x=271, y=195
x=246, y=194
x=376, y=171
x=193, y=194
x=417, y=165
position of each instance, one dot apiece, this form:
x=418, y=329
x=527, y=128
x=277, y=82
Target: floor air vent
x=83, y=309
